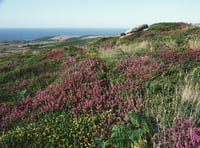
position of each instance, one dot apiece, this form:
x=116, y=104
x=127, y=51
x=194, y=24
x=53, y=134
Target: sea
x=34, y=33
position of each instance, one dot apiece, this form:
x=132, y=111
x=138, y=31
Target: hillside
x=141, y=90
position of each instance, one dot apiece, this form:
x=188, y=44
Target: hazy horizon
x=95, y=14
x=34, y=33
x=60, y=28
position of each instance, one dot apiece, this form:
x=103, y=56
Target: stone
x=122, y=34
x=137, y=29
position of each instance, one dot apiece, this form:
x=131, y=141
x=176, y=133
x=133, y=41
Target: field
x=138, y=91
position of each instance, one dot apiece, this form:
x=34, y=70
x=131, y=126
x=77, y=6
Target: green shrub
x=164, y=26
x=135, y=133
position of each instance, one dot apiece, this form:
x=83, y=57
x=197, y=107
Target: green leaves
x=152, y=87
x=135, y=132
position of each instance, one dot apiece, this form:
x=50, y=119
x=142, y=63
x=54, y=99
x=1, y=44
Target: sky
x=95, y=13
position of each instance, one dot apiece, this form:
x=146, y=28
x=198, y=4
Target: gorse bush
x=52, y=130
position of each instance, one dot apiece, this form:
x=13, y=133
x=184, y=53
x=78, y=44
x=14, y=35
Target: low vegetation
x=137, y=91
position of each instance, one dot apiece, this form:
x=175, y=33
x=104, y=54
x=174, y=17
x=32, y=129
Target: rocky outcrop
x=134, y=30
x=122, y=34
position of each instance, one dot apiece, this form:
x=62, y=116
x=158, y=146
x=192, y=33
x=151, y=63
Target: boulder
x=137, y=29
x=134, y=30
x=122, y=34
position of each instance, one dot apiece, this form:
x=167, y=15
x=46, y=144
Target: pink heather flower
x=71, y=59
x=23, y=83
x=181, y=135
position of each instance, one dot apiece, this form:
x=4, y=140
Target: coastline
x=8, y=47
x=29, y=34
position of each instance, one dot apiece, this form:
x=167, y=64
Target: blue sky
x=95, y=13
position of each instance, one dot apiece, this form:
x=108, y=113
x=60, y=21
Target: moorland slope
x=137, y=91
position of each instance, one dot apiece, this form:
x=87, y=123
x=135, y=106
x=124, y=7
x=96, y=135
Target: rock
x=122, y=34
x=142, y=27
x=137, y=29
x=133, y=31
x=129, y=31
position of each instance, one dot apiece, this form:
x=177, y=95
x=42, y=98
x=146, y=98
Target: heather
x=75, y=95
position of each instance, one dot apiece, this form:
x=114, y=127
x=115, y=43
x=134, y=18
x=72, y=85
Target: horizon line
x=64, y=27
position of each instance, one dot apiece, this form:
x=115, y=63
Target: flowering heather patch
x=138, y=67
x=54, y=96
x=11, y=66
x=71, y=59
x=184, y=24
x=181, y=135
x=166, y=56
x=51, y=75
x=136, y=70
x=160, y=32
x=80, y=52
x=6, y=68
x=53, y=54
x=85, y=92
x=106, y=45
x=82, y=90
x=166, y=26
x=85, y=44
x=22, y=84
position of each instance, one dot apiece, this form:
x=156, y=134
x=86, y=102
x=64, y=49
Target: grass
x=194, y=44
x=191, y=88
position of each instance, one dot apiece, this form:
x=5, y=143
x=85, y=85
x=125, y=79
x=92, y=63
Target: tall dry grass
x=108, y=53
x=132, y=48
x=194, y=44
x=190, y=92
x=127, y=49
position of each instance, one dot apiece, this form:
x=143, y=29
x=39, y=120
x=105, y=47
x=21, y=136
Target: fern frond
x=131, y=134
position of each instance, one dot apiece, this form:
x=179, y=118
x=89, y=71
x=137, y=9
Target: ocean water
x=33, y=33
